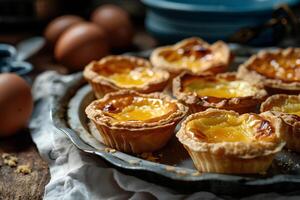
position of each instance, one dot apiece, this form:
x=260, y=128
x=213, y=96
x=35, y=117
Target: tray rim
x=59, y=105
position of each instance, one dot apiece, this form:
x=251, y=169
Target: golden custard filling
x=134, y=77
x=230, y=128
x=290, y=106
x=191, y=63
x=285, y=68
x=220, y=88
x=138, y=109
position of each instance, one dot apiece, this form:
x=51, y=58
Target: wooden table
x=31, y=186
x=20, y=186
x=15, y=185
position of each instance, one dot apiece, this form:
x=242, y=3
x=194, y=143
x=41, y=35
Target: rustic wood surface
x=31, y=186
x=15, y=185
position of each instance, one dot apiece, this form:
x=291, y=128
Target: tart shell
x=230, y=157
x=216, y=66
x=273, y=86
x=102, y=85
x=292, y=122
x=197, y=104
x=205, y=162
x=135, y=136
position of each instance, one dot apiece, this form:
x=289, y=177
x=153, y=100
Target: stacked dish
x=172, y=20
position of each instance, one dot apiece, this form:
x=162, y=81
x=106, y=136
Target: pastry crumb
x=170, y=168
x=10, y=163
x=110, y=150
x=149, y=156
x=133, y=162
x=181, y=172
x=24, y=169
x=5, y=155
x=10, y=160
x=196, y=174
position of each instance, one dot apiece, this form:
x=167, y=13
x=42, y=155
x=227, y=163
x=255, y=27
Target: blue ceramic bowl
x=172, y=20
x=9, y=62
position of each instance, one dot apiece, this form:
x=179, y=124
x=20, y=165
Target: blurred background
x=252, y=22
x=65, y=35
x=30, y=17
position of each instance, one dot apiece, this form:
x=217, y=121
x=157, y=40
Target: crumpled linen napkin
x=76, y=175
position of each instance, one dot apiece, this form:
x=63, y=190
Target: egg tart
x=278, y=70
x=115, y=73
x=286, y=107
x=224, y=91
x=223, y=141
x=132, y=122
x=193, y=55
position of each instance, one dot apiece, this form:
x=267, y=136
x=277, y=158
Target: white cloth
x=79, y=176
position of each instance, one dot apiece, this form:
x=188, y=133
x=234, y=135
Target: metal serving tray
x=172, y=167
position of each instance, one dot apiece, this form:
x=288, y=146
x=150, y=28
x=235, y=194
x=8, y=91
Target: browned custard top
x=137, y=108
x=279, y=66
x=193, y=49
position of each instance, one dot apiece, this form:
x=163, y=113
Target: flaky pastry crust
x=231, y=157
x=291, y=121
x=274, y=85
x=95, y=74
x=135, y=136
x=215, y=65
x=198, y=103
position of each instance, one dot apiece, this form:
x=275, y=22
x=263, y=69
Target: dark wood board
x=15, y=185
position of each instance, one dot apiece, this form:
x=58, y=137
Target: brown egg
x=81, y=44
x=16, y=103
x=57, y=26
x=116, y=22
